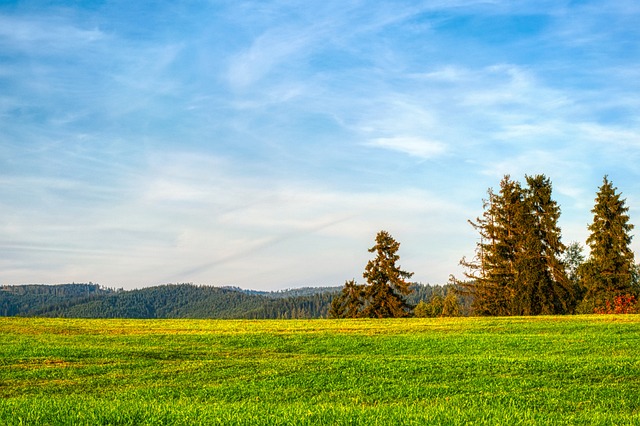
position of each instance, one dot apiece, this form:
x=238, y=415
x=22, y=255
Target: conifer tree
x=421, y=310
x=451, y=306
x=386, y=286
x=384, y=293
x=610, y=269
x=518, y=267
x=432, y=309
x=435, y=306
x=492, y=272
x=349, y=303
x=542, y=284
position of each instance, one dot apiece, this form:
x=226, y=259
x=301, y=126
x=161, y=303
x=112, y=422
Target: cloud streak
x=413, y=146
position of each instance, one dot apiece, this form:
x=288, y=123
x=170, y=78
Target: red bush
x=626, y=304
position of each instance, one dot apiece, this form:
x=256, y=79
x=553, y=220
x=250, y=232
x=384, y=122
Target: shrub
x=625, y=304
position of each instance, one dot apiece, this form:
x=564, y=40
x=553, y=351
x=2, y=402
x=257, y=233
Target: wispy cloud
x=266, y=52
x=413, y=146
x=45, y=34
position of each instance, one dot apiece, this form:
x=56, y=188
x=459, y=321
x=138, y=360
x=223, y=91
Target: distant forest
x=177, y=301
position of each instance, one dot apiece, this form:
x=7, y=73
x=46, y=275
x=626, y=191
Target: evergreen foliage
x=431, y=309
x=175, y=301
x=492, y=272
x=518, y=268
x=425, y=292
x=166, y=301
x=451, y=306
x=610, y=270
x=542, y=284
x=41, y=300
x=439, y=306
x=386, y=282
x=421, y=310
x=350, y=302
x=384, y=294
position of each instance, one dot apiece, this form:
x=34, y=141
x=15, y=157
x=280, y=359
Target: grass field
x=544, y=370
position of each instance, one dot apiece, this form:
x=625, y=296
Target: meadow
x=536, y=370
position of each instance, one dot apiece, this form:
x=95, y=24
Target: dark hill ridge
x=165, y=301
x=174, y=301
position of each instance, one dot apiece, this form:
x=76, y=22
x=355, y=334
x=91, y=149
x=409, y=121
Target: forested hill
x=165, y=301
x=172, y=301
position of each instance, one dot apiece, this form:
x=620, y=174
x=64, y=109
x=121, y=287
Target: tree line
x=179, y=301
x=165, y=301
x=520, y=267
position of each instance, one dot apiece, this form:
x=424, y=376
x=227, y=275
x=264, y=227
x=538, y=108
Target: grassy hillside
x=541, y=370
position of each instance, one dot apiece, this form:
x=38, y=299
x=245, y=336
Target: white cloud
x=610, y=135
x=449, y=73
x=266, y=52
x=45, y=33
x=413, y=146
x=513, y=87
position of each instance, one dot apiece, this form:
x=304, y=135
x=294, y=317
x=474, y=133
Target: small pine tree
x=421, y=310
x=349, y=303
x=386, y=286
x=435, y=305
x=384, y=294
x=451, y=306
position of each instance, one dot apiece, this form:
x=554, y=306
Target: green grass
x=544, y=370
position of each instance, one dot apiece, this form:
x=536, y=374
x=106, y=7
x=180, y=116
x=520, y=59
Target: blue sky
x=263, y=144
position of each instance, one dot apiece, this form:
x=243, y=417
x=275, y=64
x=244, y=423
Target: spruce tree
x=451, y=306
x=610, y=269
x=386, y=286
x=384, y=293
x=518, y=267
x=435, y=306
x=542, y=284
x=492, y=272
x=349, y=303
x=421, y=310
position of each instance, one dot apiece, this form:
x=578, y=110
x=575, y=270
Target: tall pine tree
x=492, y=272
x=542, y=284
x=610, y=269
x=518, y=268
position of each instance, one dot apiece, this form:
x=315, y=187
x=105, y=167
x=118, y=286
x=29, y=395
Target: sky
x=263, y=144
